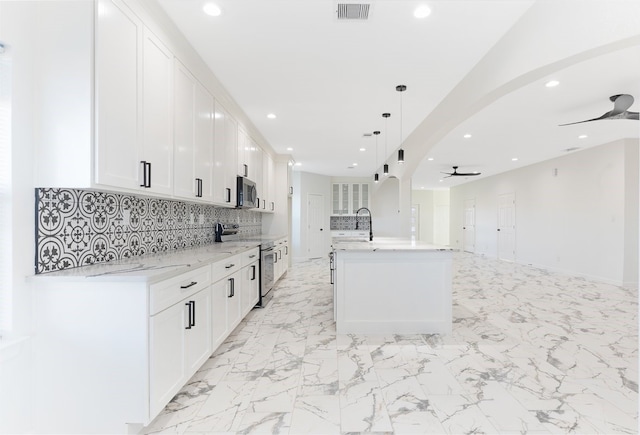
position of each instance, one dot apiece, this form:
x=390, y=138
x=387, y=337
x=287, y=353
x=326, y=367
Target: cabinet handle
x=228, y=194
x=191, y=284
x=275, y=258
x=253, y=270
x=273, y=205
x=146, y=174
x=198, y=187
x=280, y=255
x=229, y=266
x=193, y=317
x=246, y=170
x=264, y=204
x=291, y=190
x=286, y=247
x=232, y=288
x=188, y=304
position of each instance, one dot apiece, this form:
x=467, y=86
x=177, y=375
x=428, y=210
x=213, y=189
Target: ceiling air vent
x=353, y=11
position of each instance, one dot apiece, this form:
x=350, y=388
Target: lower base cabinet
x=133, y=345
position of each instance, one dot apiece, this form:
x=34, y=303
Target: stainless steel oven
x=267, y=272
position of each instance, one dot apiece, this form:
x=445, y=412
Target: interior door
x=507, y=227
x=469, y=226
x=316, y=220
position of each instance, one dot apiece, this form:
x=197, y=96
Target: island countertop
x=385, y=244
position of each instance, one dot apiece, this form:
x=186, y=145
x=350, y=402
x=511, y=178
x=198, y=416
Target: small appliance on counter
x=225, y=230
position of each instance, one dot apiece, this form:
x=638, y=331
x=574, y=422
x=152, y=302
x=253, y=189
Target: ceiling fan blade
x=621, y=103
x=605, y=116
x=467, y=174
x=632, y=115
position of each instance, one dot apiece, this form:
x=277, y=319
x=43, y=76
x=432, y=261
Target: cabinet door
x=157, y=123
x=203, y=134
x=225, y=157
x=198, y=336
x=234, y=306
x=257, y=164
x=243, y=153
x=344, y=198
x=219, y=330
x=365, y=195
x=167, y=345
x=118, y=92
x=184, y=184
x=355, y=197
x=250, y=287
x=335, y=198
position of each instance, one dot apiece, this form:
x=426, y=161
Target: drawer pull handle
x=252, y=256
x=229, y=266
x=253, y=270
x=189, y=285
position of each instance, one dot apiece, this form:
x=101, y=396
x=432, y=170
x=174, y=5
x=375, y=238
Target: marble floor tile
x=531, y=351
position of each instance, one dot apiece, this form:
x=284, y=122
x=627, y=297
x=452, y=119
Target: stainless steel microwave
x=247, y=193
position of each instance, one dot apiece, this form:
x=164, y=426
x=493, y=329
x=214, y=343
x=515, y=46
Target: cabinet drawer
x=223, y=268
x=166, y=293
x=250, y=256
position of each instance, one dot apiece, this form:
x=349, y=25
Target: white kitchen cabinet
x=134, y=71
x=268, y=182
x=258, y=156
x=244, y=153
x=204, y=145
x=347, y=198
x=157, y=116
x=118, y=95
x=225, y=154
x=281, y=258
x=185, y=185
x=179, y=333
x=250, y=280
x=193, y=137
x=166, y=330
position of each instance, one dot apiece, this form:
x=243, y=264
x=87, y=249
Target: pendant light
x=376, y=177
x=386, y=116
x=401, y=89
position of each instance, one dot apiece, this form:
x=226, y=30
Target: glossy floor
x=531, y=352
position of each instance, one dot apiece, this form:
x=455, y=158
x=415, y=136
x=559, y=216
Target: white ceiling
x=329, y=81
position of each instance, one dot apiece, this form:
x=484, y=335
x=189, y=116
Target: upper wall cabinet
x=225, y=153
x=347, y=198
x=193, y=137
x=134, y=75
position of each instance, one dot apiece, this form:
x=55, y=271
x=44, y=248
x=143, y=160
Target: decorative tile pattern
x=348, y=223
x=80, y=227
x=530, y=352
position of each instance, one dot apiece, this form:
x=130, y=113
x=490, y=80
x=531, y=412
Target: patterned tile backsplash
x=339, y=223
x=80, y=227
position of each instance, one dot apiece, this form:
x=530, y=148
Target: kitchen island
x=391, y=286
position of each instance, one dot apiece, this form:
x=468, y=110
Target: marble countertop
x=384, y=244
x=152, y=268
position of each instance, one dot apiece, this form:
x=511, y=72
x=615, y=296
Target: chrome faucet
x=370, y=227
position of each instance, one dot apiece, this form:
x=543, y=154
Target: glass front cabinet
x=347, y=198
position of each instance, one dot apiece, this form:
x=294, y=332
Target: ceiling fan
x=621, y=103
x=455, y=173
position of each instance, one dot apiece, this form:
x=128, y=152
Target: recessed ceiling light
x=466, y=136
x=211, y=9
x=515, y=159
x=289, y=149
x=422, y=11
x=363, y=149
x=552, y=83
x=298, y=164
x=430, y=159
x=440, y=181
x=271, y=116
x=355, y=164
x=583, y=136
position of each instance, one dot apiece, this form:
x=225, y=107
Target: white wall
x=304, y=184
x=385, y=210
x=434, y=215
x=573, y=221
